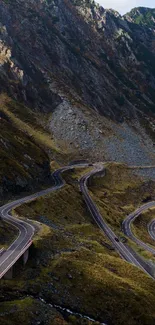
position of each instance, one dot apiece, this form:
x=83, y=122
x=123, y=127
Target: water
x=70, y=312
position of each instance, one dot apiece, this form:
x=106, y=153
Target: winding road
x=126, y=226
x=27, y=228
x=151, y=229
x=125, y=252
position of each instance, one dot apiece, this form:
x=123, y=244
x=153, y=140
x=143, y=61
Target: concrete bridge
x=23, y=256
x=20, y=247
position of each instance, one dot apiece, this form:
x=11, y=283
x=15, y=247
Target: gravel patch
x=102, y=138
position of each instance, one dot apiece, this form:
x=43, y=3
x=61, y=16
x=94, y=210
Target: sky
x=123, y=6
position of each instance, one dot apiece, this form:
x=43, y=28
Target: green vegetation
x=29, y=311
x=32, y=311
x=143, y=16
x=119, y=193
x=25, y=148
x=74, y=265
x=7, y=234
x=24, y=119
x=140, y=226
x=22, y=160
x=24, y=133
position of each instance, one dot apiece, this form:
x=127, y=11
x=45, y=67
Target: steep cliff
x=76, y=81
x=91, y=54
x=142, y=16
x=87, y=74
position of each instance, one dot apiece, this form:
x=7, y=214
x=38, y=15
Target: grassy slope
x=29, y=311
x=140, y=226
x=119, y=193
x=32, y=127
x=74, y=265
x=14, y=146
x=146, y=17
x=25, y=119
x=7, y=234
x=20, y=155
x=23, y=161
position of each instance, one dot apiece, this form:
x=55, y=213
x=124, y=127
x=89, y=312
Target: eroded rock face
x=75, y=59
x=93, y=55
x=142, y=16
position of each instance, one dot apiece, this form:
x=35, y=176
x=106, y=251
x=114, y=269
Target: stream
x=69, y=312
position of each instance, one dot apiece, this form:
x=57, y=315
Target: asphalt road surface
x=126, y=226
x=124, y=251
x=26, y=228
x=151, y=229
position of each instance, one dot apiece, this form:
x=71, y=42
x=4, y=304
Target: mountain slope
x=23, y=162
x=91, y=54
x=70, y=60
x=76, y=82
x=142, y=16
x=73, y=261
x=87, y=72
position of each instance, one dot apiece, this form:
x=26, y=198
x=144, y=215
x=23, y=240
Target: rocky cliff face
x=142, y=16
x=90, y=53
x=91, y=68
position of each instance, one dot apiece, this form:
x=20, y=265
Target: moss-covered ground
x=7, y=234
x=119, y=193
x=72, y=263
x=26, y=148
x=23, y=160
x=26, y=120
x=32, y=311
x=140, y=224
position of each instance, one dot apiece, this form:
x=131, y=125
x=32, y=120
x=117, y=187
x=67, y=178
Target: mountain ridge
x=77, y=82
x=142, y=16
x=86, y=74
x=107, y=25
